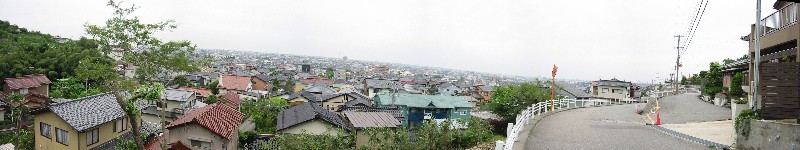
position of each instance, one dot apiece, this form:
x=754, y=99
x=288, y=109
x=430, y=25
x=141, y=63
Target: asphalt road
x=609, y=127
x=686, y=108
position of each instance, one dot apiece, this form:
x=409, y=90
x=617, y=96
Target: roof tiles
x=219, y=119
x=27, y=81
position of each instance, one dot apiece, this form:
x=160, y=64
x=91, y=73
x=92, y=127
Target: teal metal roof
x=419, y=100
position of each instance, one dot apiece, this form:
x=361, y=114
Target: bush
x=742, y=122
x=736, y=85
x=740, y=101
x=313, y=142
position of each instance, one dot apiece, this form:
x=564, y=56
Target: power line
x=695, y=26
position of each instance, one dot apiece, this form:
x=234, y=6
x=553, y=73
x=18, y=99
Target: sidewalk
x=714, y=131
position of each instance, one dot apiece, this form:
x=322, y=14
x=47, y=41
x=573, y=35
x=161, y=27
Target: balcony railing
x=776, y=21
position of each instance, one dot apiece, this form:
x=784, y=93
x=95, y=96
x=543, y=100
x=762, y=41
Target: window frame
x=42, y=128
x=92, y=136
x=64, y=134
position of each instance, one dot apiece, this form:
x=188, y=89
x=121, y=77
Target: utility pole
x=677, y=64
x=757, y=59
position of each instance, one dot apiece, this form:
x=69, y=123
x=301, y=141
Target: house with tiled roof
x=177, y=102
x=92, y=122
x=418, y=108
x=366, y=120
x=234, y=83
x=310, y=119
x=201, y=93
x=210, y=127
x=230, y=98
x=35, y=89
x=262, y=83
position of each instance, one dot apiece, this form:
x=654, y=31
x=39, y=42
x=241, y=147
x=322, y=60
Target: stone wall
x=766, y=134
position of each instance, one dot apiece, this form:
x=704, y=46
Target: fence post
x=510, y=129
x=498, y=145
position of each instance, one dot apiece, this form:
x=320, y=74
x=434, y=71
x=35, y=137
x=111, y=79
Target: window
x=121, y=125
x=201, y=144
x=44, y=129
x=618, y=91
x=62, y=136
x=463, y=112
x=23, y=91
x=92, y=136
x=605, y=90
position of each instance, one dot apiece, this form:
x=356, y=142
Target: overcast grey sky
x=588, y=39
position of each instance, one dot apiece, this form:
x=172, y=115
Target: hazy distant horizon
x=629, y=40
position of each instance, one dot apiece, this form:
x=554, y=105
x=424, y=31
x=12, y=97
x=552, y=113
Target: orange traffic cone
x=658, y=118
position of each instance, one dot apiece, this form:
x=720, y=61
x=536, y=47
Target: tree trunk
x=19, y=121
x=123, y=103
x=163, y=125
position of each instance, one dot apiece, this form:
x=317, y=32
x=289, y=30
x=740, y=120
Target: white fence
x=536, y=109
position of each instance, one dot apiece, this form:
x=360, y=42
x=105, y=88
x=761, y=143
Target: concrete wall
x=770, y=135
x=297, y=101
x=185, y=133
x=315, y=127
x=336, y=102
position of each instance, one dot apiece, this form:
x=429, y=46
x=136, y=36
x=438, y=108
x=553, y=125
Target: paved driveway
x=609, y=127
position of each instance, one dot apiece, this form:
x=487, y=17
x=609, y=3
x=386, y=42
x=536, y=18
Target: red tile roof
x=219, y=119
x=31, y=99
x=233, y=82
x=27, y=81
x=201, y=92
x=232, y=99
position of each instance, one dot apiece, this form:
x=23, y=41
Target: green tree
x=329, y=73
x=141, y=48
x=289, y=86
x=264, y=113
x=214, y=87
x=19, y=113
x=509, y=101
x=714, y=77
x=71, y=89
x=684, y=81
x=736, y=85
x=211, y=99
x=96, y=70
x=180, y=80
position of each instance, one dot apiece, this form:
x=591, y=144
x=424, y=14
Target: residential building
x=571, y=91
x=335, y=101
x=448, y=89
x=366, y=120
x=417, y=107
x=310, y=119
x=201, y=94
x=375, y=86
x=210, y=127
x=234, y=83
x=611, y=89
x=230, y=98
x=779, y=35
x=485, y=92
x=35, y=89
x=262, y=83
x=177, y=102
x=93, y=122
